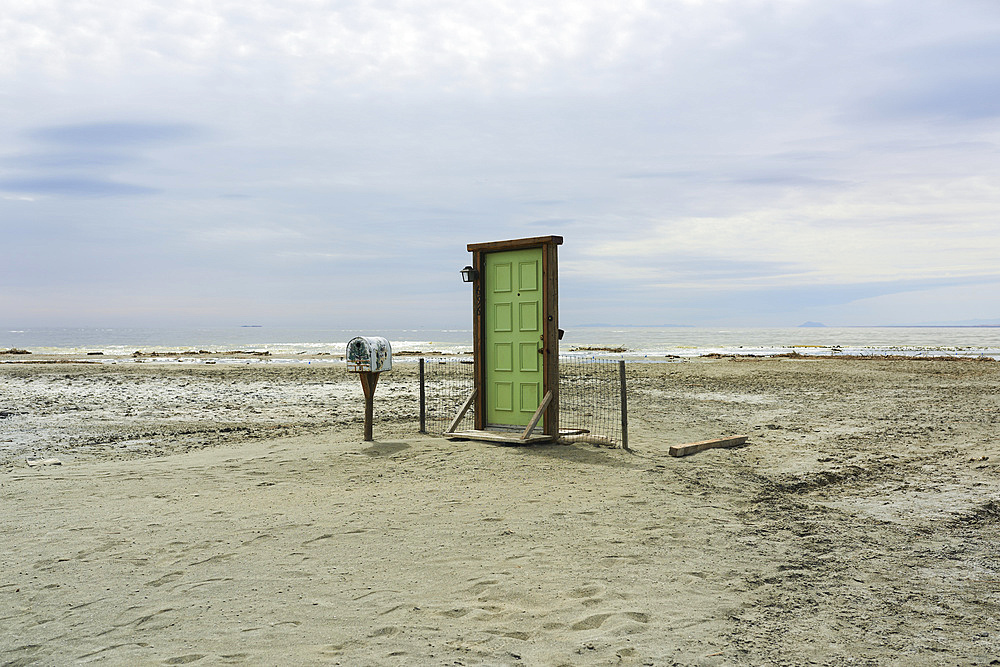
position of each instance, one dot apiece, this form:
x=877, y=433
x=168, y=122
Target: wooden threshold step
x=506, y=438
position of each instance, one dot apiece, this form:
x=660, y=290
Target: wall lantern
x=469, y=275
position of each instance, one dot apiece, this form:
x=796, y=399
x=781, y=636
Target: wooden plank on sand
x=537, y=416
x=693, y=447
x=507, y=438
x=461, y=413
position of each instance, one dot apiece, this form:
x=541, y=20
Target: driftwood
x=33, y=463
x=694, y=447
x=599, y=440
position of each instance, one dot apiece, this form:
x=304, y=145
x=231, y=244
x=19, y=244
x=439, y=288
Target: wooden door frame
x=550, y=323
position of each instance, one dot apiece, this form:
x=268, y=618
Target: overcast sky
x=325, y=163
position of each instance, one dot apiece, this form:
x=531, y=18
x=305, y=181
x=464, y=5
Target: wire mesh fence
x=445, y=386
x=592, y=396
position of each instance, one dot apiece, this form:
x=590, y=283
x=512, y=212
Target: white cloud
x=489, y=46
x=242, y=234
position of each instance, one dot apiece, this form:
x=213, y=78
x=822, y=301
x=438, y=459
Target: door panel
x=528, y=274
x=513, y=331
x=504, y=358
x=527, y=315
x=530, y=359
x=503, y=397
x=503, y=317
x=529, y=397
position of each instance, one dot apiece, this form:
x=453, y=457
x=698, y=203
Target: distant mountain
x=979, y=323
x=811, y=324
x=965, y=323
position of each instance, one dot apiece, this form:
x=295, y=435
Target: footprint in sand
x=586, y=591
x=165, y=579
x=513, y=634
x=597, y=620
x=482, y=586
x=386, y=631
x=454, y=613
x=591, y=622
x=183, y=659
x=590, y=595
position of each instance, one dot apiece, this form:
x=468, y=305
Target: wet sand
x=231, y=514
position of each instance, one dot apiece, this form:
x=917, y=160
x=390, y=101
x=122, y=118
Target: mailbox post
x=369, y=356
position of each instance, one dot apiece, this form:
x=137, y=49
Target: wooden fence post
x=621, y=378
x=423, y=400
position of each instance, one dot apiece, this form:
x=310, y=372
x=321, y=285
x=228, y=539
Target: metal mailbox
x=369, y=354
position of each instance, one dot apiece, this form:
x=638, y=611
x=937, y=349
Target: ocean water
x=687, y=342
x=278, y=341
x=639, y=343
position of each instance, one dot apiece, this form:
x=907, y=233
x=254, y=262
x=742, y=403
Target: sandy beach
x=231, y=514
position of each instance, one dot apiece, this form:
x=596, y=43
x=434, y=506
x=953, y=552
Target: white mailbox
x=369, y=355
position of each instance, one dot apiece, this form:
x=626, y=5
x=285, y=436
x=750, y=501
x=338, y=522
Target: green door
x=513, y=336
